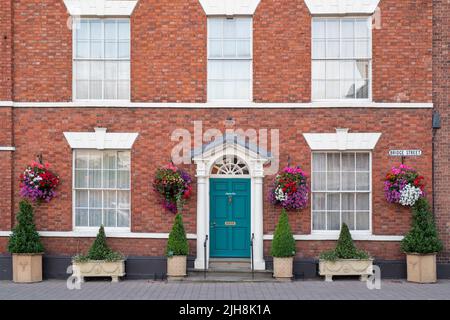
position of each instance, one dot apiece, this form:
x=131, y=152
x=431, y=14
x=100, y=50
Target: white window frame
x=337, y=232
x=95, y=229
x=370, y=78
x=75, y=59
x=231, y=59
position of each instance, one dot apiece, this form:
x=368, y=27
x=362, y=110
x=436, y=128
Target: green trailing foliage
x=423, y=237
x=283, y=244
x=345, y=248
x=99, y=250
x=25, y=238
x=177, y=244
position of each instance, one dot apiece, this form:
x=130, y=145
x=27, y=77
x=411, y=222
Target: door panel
x=230, y=217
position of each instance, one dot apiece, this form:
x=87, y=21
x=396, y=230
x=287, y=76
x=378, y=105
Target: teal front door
x=229, y=218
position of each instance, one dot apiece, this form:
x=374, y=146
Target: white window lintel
x=341, y=7
x=100, y=140
x=100, y=8
x=229, y=7
x=342, y=140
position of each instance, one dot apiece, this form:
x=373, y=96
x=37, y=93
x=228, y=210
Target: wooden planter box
x=94, y=268
x=421, y=267
x=346, y=267
x=27, y=268
x=176, y=266
x=282, y=268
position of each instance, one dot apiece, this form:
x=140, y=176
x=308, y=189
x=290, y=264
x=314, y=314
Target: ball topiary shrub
x=423, y=237
x=25, y=238
x=177, y=244
x=283, y=244
x=345, y=248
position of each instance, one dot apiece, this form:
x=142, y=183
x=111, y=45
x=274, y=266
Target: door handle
x=214, y=224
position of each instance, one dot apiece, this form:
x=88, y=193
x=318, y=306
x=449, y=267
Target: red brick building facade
x=168, y=83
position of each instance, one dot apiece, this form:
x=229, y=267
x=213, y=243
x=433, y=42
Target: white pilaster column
x=258, y=215
x=202, y=221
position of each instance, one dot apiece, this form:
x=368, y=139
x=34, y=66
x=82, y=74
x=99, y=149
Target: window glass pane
x=82, y=30
x=243, y=90
x=124, y=50
x=318, y=69
x=109, y=160
x=96, y=49
x=95, y=199
x=215, y=28
x=362, y=201
x=333, y=181
x=229, y=28
x=96, y=30
x=333, y=49
x=319, y=162
x=110, y=89
x=348, y=49
x=333, y=30
x=123, y=160
x=332, y=71
x=110, y=30
x=123, y=199
x=215, y=48
x=362, y=89
x=347, y=28
x=124, y=70
x=361, y=28
x=362, y=221
x=109, y=179
x=82, y=70
x=123, y=218
x=123, y=179
x=95, y=90
x=348, y=217
x=95, y=217
x=348, y=90
x=362, y=48
x=82, y=91
x=81, y=160
x=362, y=162
x=81, y=218
x=109, y=199
x=81, y=199
x=81, y=179
x=124, y=30
x=333, y=201
x=362, y=69
x=333, y=221
x=318, y=51
x=348, y=201
x=333, y=90
x=243, y=28
x=124, y=90
x=95, y=179
x=110, y=218
x=243, y=48
x=348, y=181
x=229, y=48
x=82, y=49
x=111, y=50
x=348, y=162
x=318, y=89
x=319, y=181
x=333, y=162
x=319, y=201
x=318, y=29
x=362, y=181
x=319, y=220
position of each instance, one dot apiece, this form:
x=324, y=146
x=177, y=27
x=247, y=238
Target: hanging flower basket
x=38, y=183
x=290, y=189
x=403, y=185
x=174, y=187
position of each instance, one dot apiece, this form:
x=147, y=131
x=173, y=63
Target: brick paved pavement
x=300, y=290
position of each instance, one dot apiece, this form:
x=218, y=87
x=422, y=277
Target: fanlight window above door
x=232, y=166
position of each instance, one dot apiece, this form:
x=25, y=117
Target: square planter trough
x=100, y=268
x=346, y=267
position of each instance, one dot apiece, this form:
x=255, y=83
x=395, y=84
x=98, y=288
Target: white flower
x=280, y=195
x=409, y=195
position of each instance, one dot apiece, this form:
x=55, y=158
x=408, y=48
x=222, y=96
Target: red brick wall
x=42, y=51
x=401, y=128
x=5, y=50
x=402, y=52
x=441, y=89
x=168, y=52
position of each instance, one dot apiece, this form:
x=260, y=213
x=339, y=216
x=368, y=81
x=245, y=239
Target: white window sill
x=332, y=236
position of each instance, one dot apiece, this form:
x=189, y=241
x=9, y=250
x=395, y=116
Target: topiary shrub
x=25, y=238
x=423, y=237
x=177, y=244
x=283, y=244
x=100, y=250
x=345, y=248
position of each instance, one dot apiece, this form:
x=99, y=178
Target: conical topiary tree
x=99, y=250
x=423, y=237
x=283, y=244
x=177, y=244
x=345, y=248
x=25, y=238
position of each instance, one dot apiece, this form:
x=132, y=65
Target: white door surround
x=205, y=159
